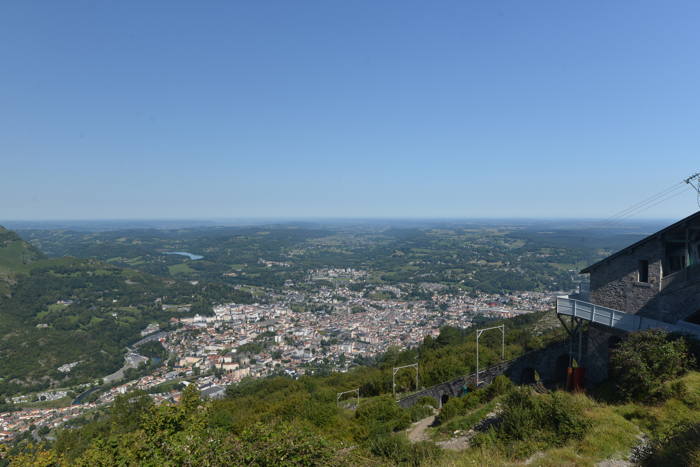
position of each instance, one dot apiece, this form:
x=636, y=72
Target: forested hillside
x=16, y=256
x=60, y=311
x=491, y=258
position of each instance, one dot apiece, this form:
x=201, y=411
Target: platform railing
x=615, y=318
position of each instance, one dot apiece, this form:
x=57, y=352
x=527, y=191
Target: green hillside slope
x=59, y=311
x=16, y=256
x=263, y=421
x=281, y=421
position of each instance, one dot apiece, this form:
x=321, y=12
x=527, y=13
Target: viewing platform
x=617, y=319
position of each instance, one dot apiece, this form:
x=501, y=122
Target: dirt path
x=417, y=432
x=460, y=443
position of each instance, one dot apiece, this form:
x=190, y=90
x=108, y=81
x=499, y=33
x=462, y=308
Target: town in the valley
x=292, y=332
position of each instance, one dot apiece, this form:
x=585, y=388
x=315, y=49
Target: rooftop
x=680, y=223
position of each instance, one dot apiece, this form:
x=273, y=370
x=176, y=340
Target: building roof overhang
x=680, y=223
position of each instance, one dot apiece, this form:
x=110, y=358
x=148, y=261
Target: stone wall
x=615, y=284
x=550, y=364
x=453, y=388
x=599, y=342
x=681, y=298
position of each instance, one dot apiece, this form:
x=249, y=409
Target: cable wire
x=646, y=201
x=647, y=206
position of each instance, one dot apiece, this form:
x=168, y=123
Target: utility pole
x=694, y=181
x=341, y=394
x=479, y=332
x=396, y=370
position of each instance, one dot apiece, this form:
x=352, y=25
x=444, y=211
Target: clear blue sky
x=226, y=109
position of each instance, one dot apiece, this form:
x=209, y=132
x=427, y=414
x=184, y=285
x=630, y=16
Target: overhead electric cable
x=646, y=206
x=654, y=200
x=673, y=188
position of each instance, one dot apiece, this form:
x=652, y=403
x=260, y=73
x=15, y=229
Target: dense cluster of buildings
x=336, y=326
x=12, y=423
x=292, y=333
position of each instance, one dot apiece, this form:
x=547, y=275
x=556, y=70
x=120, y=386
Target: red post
x=569, y=378
x=579, y=374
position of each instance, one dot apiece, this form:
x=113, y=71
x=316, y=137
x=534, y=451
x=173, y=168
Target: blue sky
x=346, y=109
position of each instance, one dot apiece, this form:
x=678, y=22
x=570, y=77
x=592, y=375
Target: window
x=675, y=259
x=676, y=263
x=643, y=270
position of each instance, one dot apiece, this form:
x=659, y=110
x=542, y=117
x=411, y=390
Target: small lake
x=184, y=253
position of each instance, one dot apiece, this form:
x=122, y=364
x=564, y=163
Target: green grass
x=673, y=426
x=182, y=268
x=661, y=420
x=464, y=422
x=137, y=261
x=166, y=386
x=610, y=437
x=253, y=290
x=58, y=403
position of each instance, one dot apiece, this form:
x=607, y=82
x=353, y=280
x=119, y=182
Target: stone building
x=658, y=277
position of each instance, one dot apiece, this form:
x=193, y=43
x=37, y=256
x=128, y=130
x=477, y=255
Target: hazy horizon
x=183, y=223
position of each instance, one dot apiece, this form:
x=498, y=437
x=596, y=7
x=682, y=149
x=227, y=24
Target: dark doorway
x=527, y=376
x=443, y=399
x=560, y=368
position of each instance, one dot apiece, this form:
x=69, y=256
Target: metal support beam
x=563, y=323
x=576, y=328
x=479, y=332
x=396, y=370
x=341, y=394
x=571, y=340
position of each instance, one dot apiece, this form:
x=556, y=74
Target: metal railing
x=617, y=319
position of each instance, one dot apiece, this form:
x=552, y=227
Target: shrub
x=394, y=448
x=564, y=418
x=427, y=400
x=645, y=360
x=461, y=405
x=472, y=400
x=530, y=422
x=679, y=390
x=383, y=415
x=681, y=446
x=287, y=444
x=400, y=451
x=500, y=385
x=420, y=411
x=450, y=409
x=693, y=348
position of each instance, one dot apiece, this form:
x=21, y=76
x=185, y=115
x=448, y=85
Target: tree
x=128, y=409
x=645, y=360
x=190, y=398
